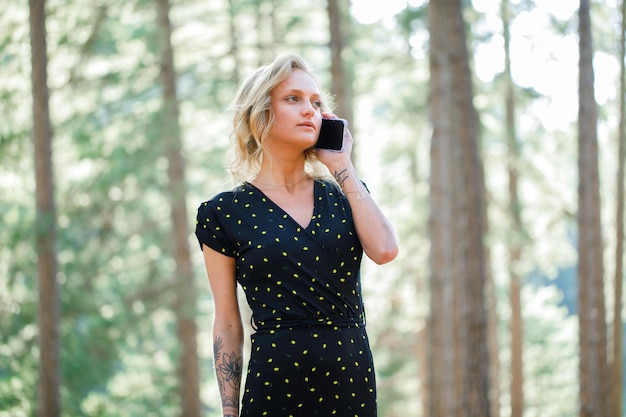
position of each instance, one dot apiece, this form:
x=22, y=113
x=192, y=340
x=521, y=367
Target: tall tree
x=185, y=306
x=515, y=243
x=458, y=353
x=266, y=30
x=341, y=81
x=616, y=364
x=233, y=31
x=595, y=392
x=45, y=227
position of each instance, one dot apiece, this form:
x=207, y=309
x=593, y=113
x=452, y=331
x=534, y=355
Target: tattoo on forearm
x=342, y=176
x=228, y=368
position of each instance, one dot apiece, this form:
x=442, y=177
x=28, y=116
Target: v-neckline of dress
x=289, y=216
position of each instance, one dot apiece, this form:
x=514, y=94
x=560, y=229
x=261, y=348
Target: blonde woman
x=293, y=237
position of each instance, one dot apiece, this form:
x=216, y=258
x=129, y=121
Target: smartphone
x=331, y=134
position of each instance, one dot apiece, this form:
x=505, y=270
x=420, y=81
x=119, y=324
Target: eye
x=291, y=98
x=317, y=103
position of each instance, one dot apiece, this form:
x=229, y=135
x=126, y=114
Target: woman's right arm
x=227, y=328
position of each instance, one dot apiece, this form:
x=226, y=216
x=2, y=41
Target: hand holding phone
x=331, y=134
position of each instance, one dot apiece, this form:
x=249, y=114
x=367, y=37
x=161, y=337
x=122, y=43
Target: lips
x=307, y=124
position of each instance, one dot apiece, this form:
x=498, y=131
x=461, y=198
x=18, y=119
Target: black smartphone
x=331, y=135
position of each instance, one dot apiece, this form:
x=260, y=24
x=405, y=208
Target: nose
x=308, y=108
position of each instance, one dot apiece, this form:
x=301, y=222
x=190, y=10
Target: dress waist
x=308, y=322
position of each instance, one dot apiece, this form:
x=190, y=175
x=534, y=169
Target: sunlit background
x=115, y=266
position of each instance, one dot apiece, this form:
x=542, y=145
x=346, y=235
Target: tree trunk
x=515, y=244
x=266, y=31
x=492, y=339
x=595, y=392
x=185, y=308
x=234, y=40
x=341, y=80
x=49, y=403
x=443, y=329
x=458, y=353
x=616, y=364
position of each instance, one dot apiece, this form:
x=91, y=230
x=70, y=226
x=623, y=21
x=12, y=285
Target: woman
x=293, y=239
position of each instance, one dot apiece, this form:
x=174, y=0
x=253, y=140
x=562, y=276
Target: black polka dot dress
x=309, y=354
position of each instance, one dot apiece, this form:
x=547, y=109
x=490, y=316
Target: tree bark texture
x=341, y=80
x=267, y=31
x=595, y=392
x=516, y=234
x=185, y=307
x=458, y=353
x=233, y=32
x=49, y=403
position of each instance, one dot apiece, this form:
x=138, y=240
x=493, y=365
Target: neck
x=281, y=172
x=283, y=183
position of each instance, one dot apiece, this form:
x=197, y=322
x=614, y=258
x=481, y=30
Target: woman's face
x=296, y=103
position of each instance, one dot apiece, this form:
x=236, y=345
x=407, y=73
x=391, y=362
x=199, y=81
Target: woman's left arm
x=375, y=232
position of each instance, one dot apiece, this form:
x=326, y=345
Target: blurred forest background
x=105, y=309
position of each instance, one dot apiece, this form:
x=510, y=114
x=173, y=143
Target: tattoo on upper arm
x=228, y=368
x=342, y=176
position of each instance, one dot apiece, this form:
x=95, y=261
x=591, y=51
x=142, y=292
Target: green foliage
x=551, y=354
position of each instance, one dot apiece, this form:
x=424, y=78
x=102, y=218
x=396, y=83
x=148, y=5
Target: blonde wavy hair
x=253, y=117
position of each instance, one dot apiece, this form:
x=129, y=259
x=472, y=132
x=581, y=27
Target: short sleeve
x=210, y=229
